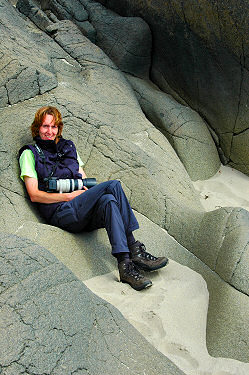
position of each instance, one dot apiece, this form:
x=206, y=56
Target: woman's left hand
x=75, y=193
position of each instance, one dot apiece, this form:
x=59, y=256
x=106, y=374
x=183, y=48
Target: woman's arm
x=82, y=172
x=40, y=196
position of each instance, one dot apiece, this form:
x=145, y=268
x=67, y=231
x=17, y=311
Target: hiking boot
x=130, y=274
x=145, y=260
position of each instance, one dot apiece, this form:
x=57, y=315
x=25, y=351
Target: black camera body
x=54, y=184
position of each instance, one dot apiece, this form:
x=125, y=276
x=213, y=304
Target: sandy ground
x=172, y=314
x=228, y=187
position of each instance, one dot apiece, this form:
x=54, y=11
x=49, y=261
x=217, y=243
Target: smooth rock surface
x=200, y=54
x=182, y=126
x=126, y=40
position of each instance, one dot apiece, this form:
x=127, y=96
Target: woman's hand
x=40, y=196
x=75, y=193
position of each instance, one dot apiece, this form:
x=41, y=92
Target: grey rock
x=183, y=127
x=22, y=76
x=21, y=82
x=3, y=97
x=31, y=10
x=239, y=153
x=126, y=40
x=22, y=87
x=65, y=10
x=88, y=30
x=199, y=54
x=230, y=259
x=52, y=323
x=71, y=39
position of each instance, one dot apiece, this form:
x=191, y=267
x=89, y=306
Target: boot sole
x=148, y=269
x=145, y=286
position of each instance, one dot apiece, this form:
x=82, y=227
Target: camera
x=68, y=185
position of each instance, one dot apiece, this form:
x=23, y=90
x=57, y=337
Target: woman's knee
x=115, y=187
x=106, y=198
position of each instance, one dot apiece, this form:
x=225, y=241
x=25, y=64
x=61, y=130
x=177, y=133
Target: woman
x=103, y=206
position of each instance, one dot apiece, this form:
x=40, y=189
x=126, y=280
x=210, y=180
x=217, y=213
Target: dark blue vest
x=64, y=156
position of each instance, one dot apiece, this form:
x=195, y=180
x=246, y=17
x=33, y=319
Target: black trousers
x=103, y=206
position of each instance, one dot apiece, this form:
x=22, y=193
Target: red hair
x=39, y=117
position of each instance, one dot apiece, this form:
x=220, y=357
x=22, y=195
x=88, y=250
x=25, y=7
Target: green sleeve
x=27, y=164
x=79, y=160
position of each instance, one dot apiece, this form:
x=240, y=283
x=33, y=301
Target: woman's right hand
x=40, y=196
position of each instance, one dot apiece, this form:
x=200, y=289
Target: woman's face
x=48, y=130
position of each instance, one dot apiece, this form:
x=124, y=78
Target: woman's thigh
x=76, y=214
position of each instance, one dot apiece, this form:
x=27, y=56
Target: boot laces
x=133, y=271
x=144, y=253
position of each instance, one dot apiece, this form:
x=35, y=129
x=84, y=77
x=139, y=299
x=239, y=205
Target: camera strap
x=42, y=156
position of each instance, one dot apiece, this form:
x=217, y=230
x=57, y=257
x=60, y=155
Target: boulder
x=183, y=127
x=126, y=40
x=51, y=323
x=19, y=81
x=31, y=10
x=199, y=54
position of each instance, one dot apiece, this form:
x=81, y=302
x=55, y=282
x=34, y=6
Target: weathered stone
x=239, y=151
x=126, y=40
x=65, y=10
x=31, y=10
x=88, y=30
x=183, y=127
x=51, y=323
x=71, y=39
x=3, y=97
x=21, y=80
x=200, y=53
x=232, y=239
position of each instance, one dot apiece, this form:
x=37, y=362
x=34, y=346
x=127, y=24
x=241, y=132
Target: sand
x=228, y=187
x=172, y=314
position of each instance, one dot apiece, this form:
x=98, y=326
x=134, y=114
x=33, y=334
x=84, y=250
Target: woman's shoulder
x=26, y=158
x=66, y=143
x=27, y=149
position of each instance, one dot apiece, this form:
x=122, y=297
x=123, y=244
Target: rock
x=239, y=153
x=71, y=39
x=31, y=10
x=52, y=323
x=126, y=40
x=182, y=126
x=65, y=10
x=20, y=82
x=199, y=52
